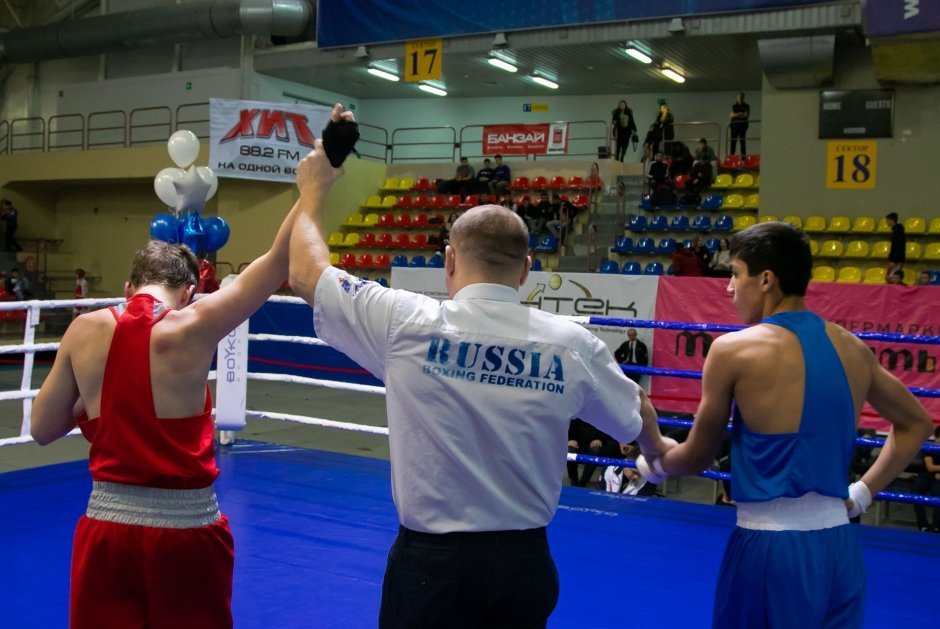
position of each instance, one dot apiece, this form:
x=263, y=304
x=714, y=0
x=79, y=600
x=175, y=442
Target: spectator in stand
x=740, y=115
x=681, y=159
x=484, y=177
x=924, y=278
x=896, y=277
x=442, y=235
x=10, y=217
x=720, y=264
x=700, y=178
x=524, y=209
x=927, y=482
x=633, y=352
x=586, y=439
x=622, y=129
x=664, y=129
x=546, y=211
x=18, y=286
x=685, y=262
x=706, y=155
x=704, y=255
x=558, y=226
x=462, y=181
x=625, y=480
x=658, y=174
x=501, y=177
x=898, y=252
x=81, y=291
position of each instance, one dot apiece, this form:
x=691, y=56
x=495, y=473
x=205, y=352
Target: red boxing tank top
x=129, y=443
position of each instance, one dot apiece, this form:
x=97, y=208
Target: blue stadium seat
x=659, y=223
x=400, y=260
x=533, y=241
x=644, y=246
x=680, y=224
x=935, y=277
x=536, y=265
x=418, y=262
x=548, y=244
x=610, y=266
x=436, y=261
x=723, y=223
x=624, y=244
x=687, y=243
x=666, y=246
x=653, y=268
x=711, y=202
x=702, y=224
x=637, y=223
x=646, y=203
x=631, y=268
x=712, y=244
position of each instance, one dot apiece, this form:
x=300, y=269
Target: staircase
x=596, y=229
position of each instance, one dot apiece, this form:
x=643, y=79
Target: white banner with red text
x=550, y=138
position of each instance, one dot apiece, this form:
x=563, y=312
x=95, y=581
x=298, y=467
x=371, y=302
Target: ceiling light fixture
x=502, y=65
x=430, y=89
x=639, y=55
x=543, y=81
x=382, y=74
x=672, y=74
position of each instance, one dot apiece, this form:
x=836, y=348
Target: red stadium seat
x=423, y=184
x=367, y=240
x=732, y=162
x=752, y=162
x=419, y=202
x=384, y=241
x=402, y=221
x=386, y=220
x=575, y=183
x=365, y=260
x=348, y=259
x=680, y=181
x=420, y=241
x=472, y=200
x=402, y=241
x=521, y=183
x=453, y=200
x=404, y=202
x=580, y=201
x=557, y=183
x=437, y=200
x=420, y=221
x=382, y=260
x=538, y=183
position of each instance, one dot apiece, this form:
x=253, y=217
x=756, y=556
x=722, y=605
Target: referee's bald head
x=491, y=237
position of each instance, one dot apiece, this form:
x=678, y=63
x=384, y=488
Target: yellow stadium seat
x=752, y=202
x=335, y=240
x=370, y=220
x=390, y=184
x=857, y=249
x=849, y=275
x=882, y=226
x=831, y=249
x=406, y=184
x=334, y=258
x=722, y=182
x=733, y=202
x=768, y=218
x=824, y=274
x=839, y=225
x=934, y=226
x=744, y=180
x=813, y=247
x=915, y=225
x=814, y=225
x=879, y=250
x=389, y=201
x=374, y=201
x=756, y=181
x=354, y=220
x=932, y=252
x=351, y=240
x=744, y=221
x=876, y=275
x=796, y=221
x=910, y=276
x=913, y=251
x=863, y=225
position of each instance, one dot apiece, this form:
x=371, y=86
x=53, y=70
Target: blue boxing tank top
x=817, y=456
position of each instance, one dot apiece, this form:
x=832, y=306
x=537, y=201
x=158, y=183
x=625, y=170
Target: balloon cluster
x=186, y=189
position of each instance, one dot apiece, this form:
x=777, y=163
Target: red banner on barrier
x=856, y=307
x=525, y=139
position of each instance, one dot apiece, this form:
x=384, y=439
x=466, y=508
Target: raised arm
x=309, y=255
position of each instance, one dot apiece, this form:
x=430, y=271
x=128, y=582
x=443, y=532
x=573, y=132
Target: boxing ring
x=312, y=529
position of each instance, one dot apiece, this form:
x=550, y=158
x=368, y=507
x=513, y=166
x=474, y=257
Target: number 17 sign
x=851, y=164
x=423, y=60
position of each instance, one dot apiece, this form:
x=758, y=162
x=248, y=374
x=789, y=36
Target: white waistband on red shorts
x=153, y=506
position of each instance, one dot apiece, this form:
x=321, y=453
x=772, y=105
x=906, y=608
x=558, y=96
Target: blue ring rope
x=887, y=496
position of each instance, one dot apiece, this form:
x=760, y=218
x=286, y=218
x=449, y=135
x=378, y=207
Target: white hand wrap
x=860, y=496
x=651, y=470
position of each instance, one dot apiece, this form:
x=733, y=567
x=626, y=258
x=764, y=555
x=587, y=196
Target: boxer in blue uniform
x=795, y=386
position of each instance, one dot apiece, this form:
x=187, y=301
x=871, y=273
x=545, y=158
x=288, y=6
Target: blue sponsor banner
x=344, y=23
x=886, y=18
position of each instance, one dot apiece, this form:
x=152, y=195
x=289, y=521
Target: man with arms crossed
x=153, y=549
x=480, y=390
x=796, y=385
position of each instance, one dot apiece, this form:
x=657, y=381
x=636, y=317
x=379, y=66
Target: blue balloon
x=217, y=232
x=193, y=235
x=165, y=227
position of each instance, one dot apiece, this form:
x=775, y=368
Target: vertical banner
x=263, y=141
x=557, y=138
x=231, y=379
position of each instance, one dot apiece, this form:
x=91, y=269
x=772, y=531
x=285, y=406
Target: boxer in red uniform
x=153, y=549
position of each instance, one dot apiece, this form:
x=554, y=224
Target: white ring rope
x=280, y=338
x=315, y=421
x=329, y=384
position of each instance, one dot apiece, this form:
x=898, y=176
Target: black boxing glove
x=339, y=140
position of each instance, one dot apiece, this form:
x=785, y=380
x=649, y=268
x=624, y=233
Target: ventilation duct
x=792, y=62
x=159, y=26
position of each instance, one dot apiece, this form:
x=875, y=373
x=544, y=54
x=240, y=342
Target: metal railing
x=752, y=137
x=149, y=125
x=441, y=140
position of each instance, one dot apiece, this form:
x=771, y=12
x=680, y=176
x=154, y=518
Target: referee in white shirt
x=480, y=390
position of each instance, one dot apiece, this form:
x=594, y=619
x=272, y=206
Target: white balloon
x=163, y=185
x=183, y=147
x=209, y=177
